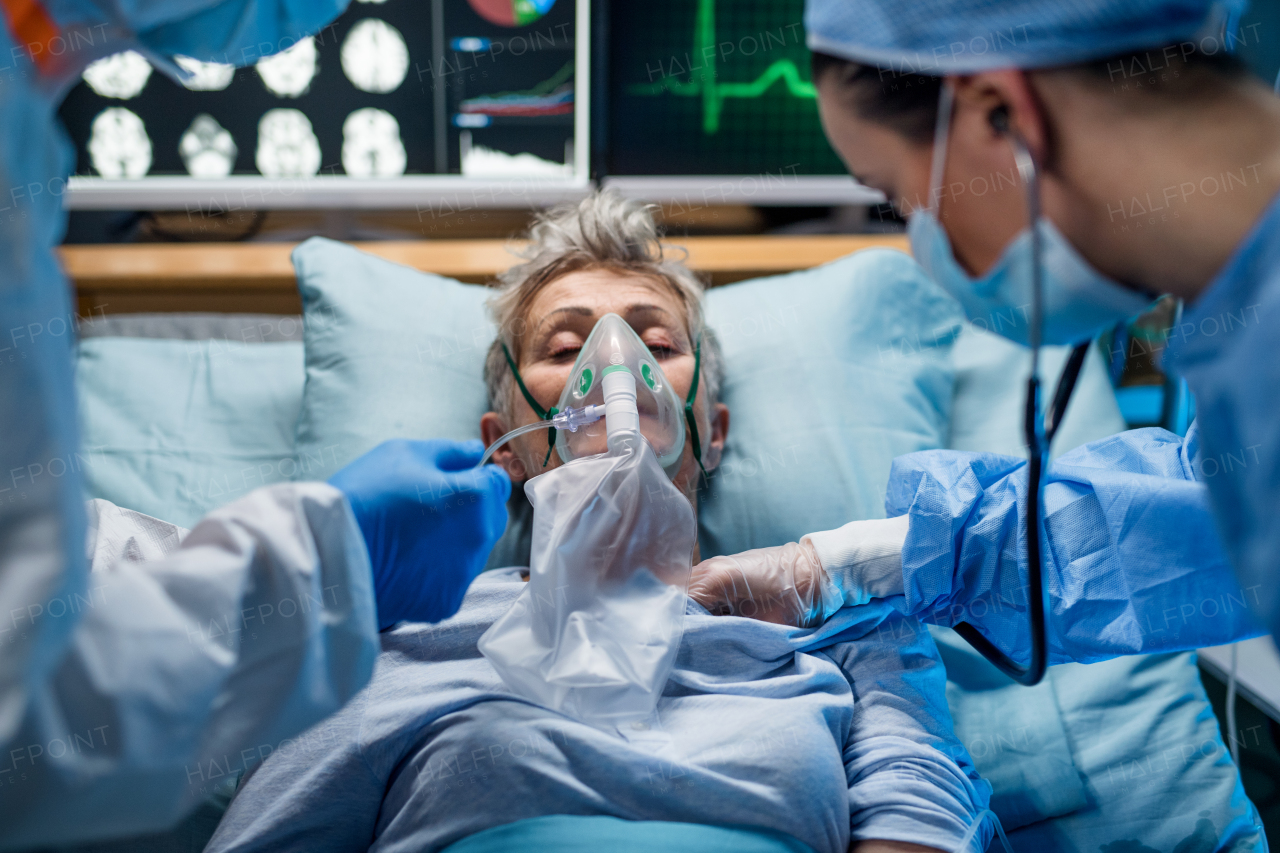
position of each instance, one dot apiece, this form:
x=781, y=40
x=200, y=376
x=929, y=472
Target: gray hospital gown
x=850, y=739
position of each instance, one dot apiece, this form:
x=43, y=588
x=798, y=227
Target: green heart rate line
x=713, y=92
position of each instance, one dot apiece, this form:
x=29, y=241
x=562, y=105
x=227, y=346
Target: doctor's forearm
x=1101, y=604
x=1132, y=560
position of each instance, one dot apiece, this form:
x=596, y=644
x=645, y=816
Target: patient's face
x=557, y=325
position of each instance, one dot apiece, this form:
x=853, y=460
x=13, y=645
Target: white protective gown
x=124, y=688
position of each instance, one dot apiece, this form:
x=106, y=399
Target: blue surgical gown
x=116, y=681
x=1150, y=542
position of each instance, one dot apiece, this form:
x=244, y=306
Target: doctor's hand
x=804, y=583
x=429, y=520
x=786, y=585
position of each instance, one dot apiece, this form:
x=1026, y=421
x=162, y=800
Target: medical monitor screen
x=712, y=87
x=393, y=87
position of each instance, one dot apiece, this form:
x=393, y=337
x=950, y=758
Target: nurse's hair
x=603, y=231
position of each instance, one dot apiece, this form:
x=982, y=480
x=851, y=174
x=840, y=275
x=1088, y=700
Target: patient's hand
x=874, y=846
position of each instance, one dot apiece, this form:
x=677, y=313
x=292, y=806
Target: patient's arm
x=889, y=847
x=912, y=785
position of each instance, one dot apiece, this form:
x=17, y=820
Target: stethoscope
x=1038, y=431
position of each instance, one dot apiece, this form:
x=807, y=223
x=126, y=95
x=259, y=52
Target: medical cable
x=569, y=419
x=1231, y=707
x=1038, y=432
x=977, y=824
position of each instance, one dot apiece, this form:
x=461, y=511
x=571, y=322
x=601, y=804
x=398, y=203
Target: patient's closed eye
x=661, y=343
x=564, y=346
x=565, y=353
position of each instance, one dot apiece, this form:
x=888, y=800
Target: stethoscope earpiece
x=999, y=119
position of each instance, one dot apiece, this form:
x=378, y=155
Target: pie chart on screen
x=511, y=13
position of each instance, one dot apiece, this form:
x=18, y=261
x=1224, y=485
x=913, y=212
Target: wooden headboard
x=258, y=277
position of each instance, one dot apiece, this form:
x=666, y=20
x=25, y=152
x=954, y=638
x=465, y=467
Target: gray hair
x=603, y=231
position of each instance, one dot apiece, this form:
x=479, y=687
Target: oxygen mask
x=611, y=349
x=582, y=422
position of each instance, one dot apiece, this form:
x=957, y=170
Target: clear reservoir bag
x=596, y=631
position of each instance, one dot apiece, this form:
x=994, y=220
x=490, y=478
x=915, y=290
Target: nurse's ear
x=1008, y=96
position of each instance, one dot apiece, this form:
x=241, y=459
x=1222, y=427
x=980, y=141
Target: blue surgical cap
x=963, y=36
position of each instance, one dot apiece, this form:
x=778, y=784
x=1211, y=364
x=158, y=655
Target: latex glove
x=785, y=585
x=429, y=520
x=804, y=583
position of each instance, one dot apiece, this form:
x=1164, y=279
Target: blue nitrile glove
x=429, y=520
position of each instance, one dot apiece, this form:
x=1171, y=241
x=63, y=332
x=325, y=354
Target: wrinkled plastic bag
x=595, y=632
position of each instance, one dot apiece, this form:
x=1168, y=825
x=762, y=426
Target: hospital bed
x=184, y=411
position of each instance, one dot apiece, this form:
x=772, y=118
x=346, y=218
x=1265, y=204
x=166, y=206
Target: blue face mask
x=1078, y=301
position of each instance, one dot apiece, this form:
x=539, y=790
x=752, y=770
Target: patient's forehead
x=603, y=292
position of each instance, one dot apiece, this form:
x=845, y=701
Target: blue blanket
x=581, y=834
x=822, y=735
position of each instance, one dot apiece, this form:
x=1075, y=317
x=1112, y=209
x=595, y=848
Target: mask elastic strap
x=941, y=130
x=544, y=414
x=688, y=406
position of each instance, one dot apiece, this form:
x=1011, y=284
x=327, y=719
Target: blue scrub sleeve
x=1133, y=561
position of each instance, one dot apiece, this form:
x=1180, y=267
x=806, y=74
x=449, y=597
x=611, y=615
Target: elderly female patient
x=767, y=738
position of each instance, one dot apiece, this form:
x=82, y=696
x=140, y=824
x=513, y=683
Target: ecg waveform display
x=705, y=87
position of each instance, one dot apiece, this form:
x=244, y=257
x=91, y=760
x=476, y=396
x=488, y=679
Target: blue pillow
x=990, y=395
x=829, y=373
x=175, y=428
x=391, y=353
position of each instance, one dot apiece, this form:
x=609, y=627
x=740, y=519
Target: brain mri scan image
x=371, y=145
x=118, y=144
x=121, y=75
x=206, y=76
x=287, y=146
x=289, y=73
x=207, y=149
x=375, y=57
